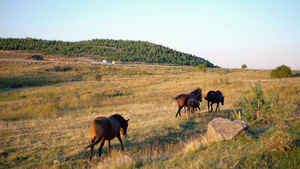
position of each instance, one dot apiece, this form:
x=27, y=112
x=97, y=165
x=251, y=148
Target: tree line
x=98, y=49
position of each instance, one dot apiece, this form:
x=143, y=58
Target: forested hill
x=115, y=50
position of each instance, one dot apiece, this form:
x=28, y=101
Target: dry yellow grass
x=41, y=123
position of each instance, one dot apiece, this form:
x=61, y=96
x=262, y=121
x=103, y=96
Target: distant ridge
x=99, y=49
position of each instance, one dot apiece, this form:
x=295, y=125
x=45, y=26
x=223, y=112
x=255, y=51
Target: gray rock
x=224, y=129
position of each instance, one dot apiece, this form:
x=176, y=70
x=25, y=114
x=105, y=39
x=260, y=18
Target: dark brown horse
x=107, y=129
x=194, y=104
x=182, y=99
x=214, y=97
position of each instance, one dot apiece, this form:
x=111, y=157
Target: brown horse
x=107, y=129
x=194, y=104
x=182, y=99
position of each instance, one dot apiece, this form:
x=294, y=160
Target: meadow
x=47, y=108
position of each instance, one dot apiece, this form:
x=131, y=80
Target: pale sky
x=262, y=34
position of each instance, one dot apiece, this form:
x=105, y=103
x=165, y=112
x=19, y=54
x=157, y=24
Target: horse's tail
x=177, y=97
x=99, y=133
x=98, y=139
x=174, y=98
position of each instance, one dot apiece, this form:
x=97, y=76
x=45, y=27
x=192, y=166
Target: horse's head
x=197, y=91
x=124, y=128
x=222, y=100
x=199, y=97
x=123, y=123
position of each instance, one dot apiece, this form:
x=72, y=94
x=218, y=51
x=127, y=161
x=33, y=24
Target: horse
x=103, y=128
x=193, y=104
x=182, y=99
x=214, y=97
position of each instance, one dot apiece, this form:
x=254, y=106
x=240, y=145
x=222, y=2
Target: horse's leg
x=194, y=111
x=178, y=112
x=211, y=108
x=217, y=107
x=208, y=106
x=108, y=147
x=100, y=148
x=91, y=154
x=119, y=138
x=199, y=110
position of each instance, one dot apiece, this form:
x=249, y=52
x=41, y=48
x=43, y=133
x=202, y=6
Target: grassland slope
x=47, y=108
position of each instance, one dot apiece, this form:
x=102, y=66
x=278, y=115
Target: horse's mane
x=118, y=117
x=196, y=92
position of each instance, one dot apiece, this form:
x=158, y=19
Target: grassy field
x=47, y=108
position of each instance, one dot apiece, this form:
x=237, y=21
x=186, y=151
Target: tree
x=244, y=66
x=281, y=72
x=134, y=51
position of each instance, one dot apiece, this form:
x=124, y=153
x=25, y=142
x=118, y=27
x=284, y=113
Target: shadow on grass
x=187, y=128
x=25, y=81
x=208, y=116
x=296, y=75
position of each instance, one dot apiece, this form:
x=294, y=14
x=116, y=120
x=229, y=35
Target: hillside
x=47, y=108
x=98, y=49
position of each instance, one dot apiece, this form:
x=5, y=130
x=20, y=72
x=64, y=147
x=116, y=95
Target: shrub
x=255, y=104
x=281, y=72
x=202, y=67
x=61, y=69
x=261, y=110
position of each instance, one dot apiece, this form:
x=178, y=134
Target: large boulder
x=224, y=129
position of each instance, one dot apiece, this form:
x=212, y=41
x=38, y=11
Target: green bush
x=202, y=67
x=260, y=110
x=281, y=72
x=255, y=105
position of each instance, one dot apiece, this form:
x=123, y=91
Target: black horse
x=214, y=97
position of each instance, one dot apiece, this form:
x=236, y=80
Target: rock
x=56, y=161
x=224, y=129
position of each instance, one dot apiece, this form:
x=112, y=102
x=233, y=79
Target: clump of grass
x=221, y=82
x=221, y=71
x=98, y=77
x=195, y=144
x=280, y=141
x=144, y=72
x=118, y=160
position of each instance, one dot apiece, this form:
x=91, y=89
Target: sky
x=263, y=34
